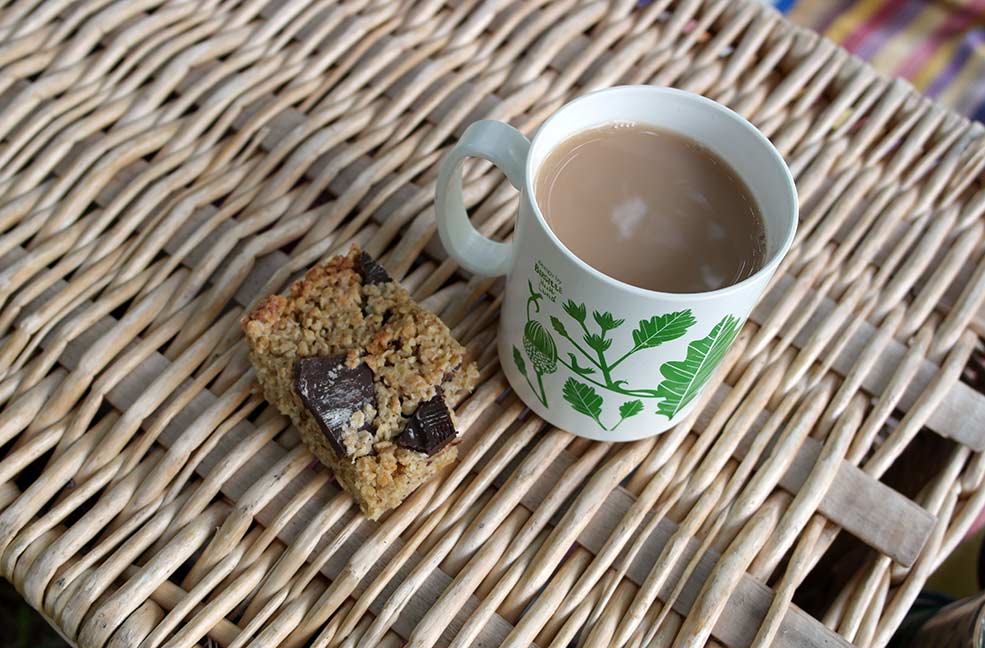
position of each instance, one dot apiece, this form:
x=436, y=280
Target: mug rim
x=791, y=192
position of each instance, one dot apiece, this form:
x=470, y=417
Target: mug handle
x=505, y=147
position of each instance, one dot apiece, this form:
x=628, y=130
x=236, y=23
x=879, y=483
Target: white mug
x=588, y=353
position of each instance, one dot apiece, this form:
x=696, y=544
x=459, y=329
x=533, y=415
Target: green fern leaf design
x=583, y=398
x=630, y=408
x=662, y=328
x=683, y=379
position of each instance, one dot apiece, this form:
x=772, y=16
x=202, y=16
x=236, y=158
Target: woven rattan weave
x=165, y=164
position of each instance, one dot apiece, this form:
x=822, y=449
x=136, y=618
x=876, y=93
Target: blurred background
x=20, y=626
x=938, y=45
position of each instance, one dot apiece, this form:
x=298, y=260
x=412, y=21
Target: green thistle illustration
x=539, y=347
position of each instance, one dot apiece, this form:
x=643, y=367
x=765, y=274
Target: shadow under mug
x=588, y=353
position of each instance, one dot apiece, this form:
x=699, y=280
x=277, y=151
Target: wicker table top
x=164, y=164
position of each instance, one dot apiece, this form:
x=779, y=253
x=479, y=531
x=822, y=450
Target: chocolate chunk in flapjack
x=429, y=429
x=370, y=270
x=333, y=392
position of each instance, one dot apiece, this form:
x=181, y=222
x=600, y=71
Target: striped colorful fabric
x=938, y=45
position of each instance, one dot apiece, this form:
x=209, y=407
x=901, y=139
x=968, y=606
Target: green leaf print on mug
x=627, y=410
x=518, y=359
x=593, y=370
x=597, y=342
x=585, y=400
x=683, y=379
x=630, y=408
x=605, y=321
x=575, y=311
x=558, y=326
x=662, y=328
x=593, y=346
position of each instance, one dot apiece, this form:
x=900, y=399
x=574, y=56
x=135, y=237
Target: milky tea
x=651, y=208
